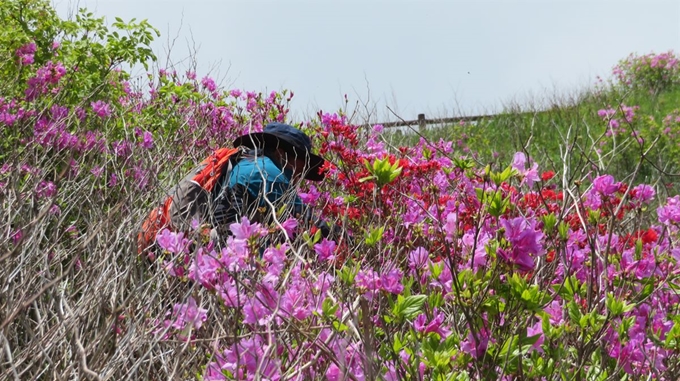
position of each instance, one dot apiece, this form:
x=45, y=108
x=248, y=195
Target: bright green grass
x=546, y=135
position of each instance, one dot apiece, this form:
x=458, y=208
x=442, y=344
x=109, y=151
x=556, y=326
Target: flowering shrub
x=447, y=270
x=441, y=268
x=652, y=72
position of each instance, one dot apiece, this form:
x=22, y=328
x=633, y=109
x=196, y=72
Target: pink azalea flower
x=554, y=309
x=418, y=259
x=45, y=189
x=230, y=294
x=289, y=226
x=294, y=303
x=276, y=257
x=435, y=325
x=529, y=176
x=536, y=329
x=605, y=185
x=451, y=226
x=26, y=53
x=148, y=140
x=391, y=281
x=17, y=236
x=325, y=250
x=369, y=281
x=246, y=230
x=204, y=268
x=476, y=348
x=334, y=373
x=188, y=314
x=172, y=242
x=235, y=255
x=525, y=240
x=209, y=84
x=670, y=213
x=101, y=108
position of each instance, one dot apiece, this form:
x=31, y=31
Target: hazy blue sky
x=436, y=57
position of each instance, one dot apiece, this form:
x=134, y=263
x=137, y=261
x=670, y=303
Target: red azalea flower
x=547, y=175
x=550, y=256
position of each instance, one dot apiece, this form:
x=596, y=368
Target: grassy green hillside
x=547, y=135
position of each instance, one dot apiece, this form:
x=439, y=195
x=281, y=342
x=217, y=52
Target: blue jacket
x=251, y=180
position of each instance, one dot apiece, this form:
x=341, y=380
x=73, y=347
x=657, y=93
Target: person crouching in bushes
x=265, y=178
x=256, y=179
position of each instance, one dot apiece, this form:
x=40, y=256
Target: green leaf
x=339, y=326
x=574, y=312
x=638, y=249
x=569, y=289
x=329, y=308
x=563, y=229
x=383, y=171
x=397, y=344
x=375, y=236
x=348, y=272
x=509, y=346
x=517, y=284
x=500, y=178
x=317, y=237
x=614, y=306
x=545, y=324
x=409, y=307
x=549, y=222
x=463, y=163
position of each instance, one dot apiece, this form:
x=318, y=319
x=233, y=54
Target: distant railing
x=422, y=122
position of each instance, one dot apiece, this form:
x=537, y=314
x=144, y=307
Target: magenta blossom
x=172, y=242
x=289, y=226
x=188, y=314
x=536, y=330
x=246, y=230
x=276, y=257
x=147, y=141
x=605, y=185
x=670, y=213
x=325, y=250
x=391, y=281
x=45, y=189
x=369, y=281
x=435, y=325
x=209, y=84
x=643, y=193
x=204, y=269
x=101, y=109
x=418, y=259
x=529, y=176
x=26, y=53
x=525, y=240
x=17, y=236
x=476, y=347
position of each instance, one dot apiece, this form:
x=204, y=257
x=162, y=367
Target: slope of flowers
x=439, y=267
x=447, y=270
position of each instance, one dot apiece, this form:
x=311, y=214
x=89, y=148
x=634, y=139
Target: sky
x=441, y=58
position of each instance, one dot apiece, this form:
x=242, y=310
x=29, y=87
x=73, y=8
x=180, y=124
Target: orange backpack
x=198, y=183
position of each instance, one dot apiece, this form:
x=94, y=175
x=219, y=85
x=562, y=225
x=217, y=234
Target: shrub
x=441, y=268
x=652, y=72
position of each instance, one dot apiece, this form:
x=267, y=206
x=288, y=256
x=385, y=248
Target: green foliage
x=651, y=72
x=408, y=307
x=570, y=135
x=382, y=171
x=92, y=52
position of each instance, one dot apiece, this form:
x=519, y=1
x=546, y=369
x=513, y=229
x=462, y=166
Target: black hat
x=290, y=139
